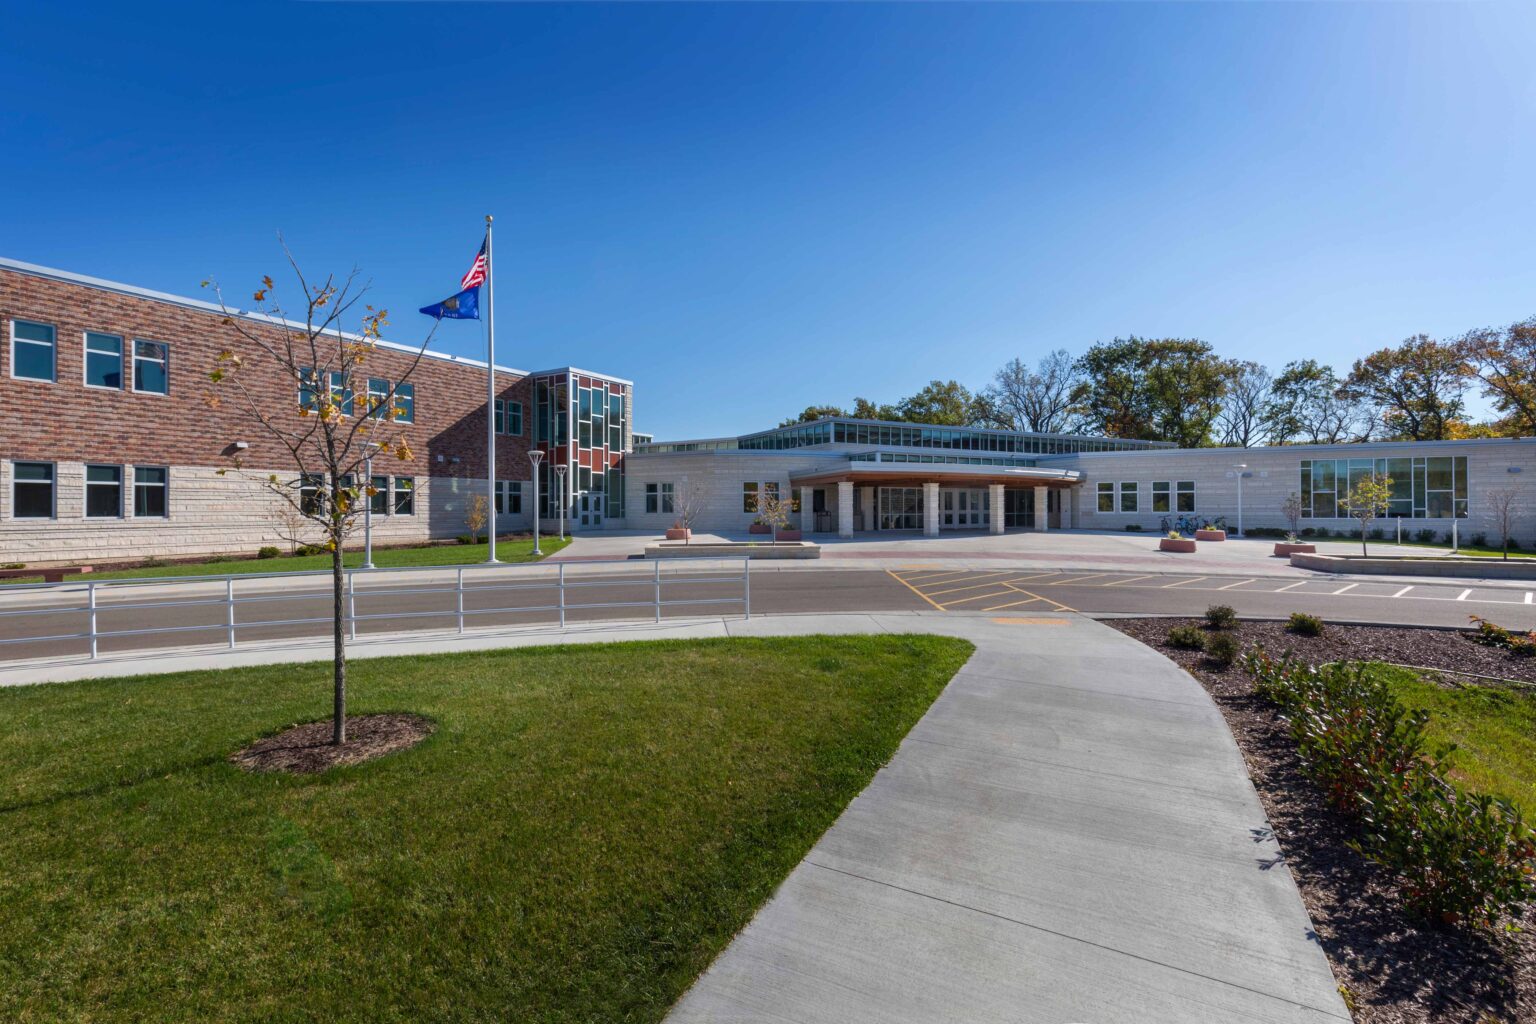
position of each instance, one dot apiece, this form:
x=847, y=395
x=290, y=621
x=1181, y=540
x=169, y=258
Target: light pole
x=1242, y=468
x=368, y=508
x=560, y=499
x=535, y=456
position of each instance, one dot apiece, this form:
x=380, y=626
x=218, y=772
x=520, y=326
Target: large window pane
x=32, y=490
x=103, y=492
x=149, y=492
x=151, y=361
x=104, y=361
x=32, y=350
x=405, y=495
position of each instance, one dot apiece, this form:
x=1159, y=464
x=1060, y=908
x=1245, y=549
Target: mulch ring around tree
x=307, y=749
x=1392, y=967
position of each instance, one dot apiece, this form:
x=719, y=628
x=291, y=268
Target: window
x=378, y=501
x=659, y=498
x=1184, y=496
x=771, y=489
x=103, y=361
x=509, y=417
x=149, y=487
x=32, y=490
x=32, y=351
x=405, y=495
x=309, y=494
x=1433, y=487
x=749, y=496
x=341, y=392
x=103, y=492
x=509, y=497
x=378, y=395
x=307, y=384
x=405, y=405
x=1106, y=497
x=151, y=367
x=1128, y=498
x=1161, y=500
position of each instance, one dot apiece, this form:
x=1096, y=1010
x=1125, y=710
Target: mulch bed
x=307, y=749
x=1394, y=968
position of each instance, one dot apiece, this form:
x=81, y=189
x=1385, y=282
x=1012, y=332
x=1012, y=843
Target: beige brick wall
x=720, y=476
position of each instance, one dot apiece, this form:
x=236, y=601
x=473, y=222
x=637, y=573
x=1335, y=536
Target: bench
x=53, y=575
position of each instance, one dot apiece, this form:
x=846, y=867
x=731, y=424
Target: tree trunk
x=339, y=635
x=1363, y=552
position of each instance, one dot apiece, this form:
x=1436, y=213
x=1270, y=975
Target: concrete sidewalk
x=1068, y=835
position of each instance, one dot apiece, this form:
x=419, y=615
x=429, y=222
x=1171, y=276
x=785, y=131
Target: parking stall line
x=971, y=586
x=982, y=597
x=1463, y=595
x=1345, y=589
x=1118, y=583
x=1239, y=583
x=1180, y=583
x=1527, y=597
x=1013, y=604
x=1405, y=590
x=1290, y=586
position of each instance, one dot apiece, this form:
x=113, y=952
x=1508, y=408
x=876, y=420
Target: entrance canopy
x=914, y=474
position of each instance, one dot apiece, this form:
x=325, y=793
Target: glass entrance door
x=901, y=508
x=1019, y=509
x=589, y=509
x=967, y=509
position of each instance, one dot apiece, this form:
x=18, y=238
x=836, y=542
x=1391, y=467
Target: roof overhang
x=913, y=474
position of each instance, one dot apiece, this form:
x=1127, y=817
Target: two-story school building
x=857, y=477
x=109, y=449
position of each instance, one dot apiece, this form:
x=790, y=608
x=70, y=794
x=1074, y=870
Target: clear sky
x=749, y=208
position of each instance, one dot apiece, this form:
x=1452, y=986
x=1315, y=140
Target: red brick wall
x=66, y=420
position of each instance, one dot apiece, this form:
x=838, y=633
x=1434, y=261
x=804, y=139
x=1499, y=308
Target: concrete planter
x=759, y=528
x=737, y=549
x=787, y=535
x=1449, y=566
x=1284, y=550
x=678, y=533
x=1181, y=545
x=1212, y=535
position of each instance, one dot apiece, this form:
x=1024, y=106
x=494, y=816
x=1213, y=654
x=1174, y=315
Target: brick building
x=109, y=449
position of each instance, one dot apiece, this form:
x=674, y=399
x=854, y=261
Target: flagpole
x=490, y=394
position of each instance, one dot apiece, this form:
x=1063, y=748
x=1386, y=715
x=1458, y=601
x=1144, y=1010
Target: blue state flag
x=463, y=306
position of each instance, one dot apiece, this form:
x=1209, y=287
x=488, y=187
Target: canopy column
x=931, y=508
x=845, y=508
x=1042, y=516
x=996, y=513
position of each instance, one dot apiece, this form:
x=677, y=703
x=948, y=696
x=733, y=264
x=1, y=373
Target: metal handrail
x=557, y=581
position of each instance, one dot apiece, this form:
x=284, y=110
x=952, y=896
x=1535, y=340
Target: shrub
x=1479, y=540
x=1307, y=531
x=1266, y=531
x=1377, y=533
x=1514, y=545
x=464, y=538
x=1222, y=649
x=268, y=552
x=1322, y=531
x=152, y=563
x=1221, y=616
x=1303, y=624
x=1133, y=527
x=1426, y=536
x=1187, y=638
x=217, y=559
x=311, y=549
x=1459, y=858
x=14, y=565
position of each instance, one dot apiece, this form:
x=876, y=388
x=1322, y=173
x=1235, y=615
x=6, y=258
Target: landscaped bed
x=581, y=832
x=1394, y=967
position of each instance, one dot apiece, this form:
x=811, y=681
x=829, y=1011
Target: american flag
x=476, y=275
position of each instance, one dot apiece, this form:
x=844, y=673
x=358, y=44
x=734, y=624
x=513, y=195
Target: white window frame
x=165, y=364
x=53, y=489
x=85, y=495
x=133, y=509
x=508, y=493
x=504, y=407
x=54, y=345
x=1104, y=489
x=407, y=390
x=378, y=409
x=1166, y=492
x=1128, y=487
x=385, y=491
x=85, y=360
x=394, y=495
x=1193, y=492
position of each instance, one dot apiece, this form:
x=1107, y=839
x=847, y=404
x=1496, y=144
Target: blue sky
x=749, y=208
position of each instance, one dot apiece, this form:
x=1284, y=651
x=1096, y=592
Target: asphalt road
x=174, y=616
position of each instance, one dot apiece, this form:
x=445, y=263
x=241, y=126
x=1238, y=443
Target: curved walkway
x=1068, y=835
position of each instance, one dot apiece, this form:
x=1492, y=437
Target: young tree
x=1504, y=362
x=773, y=509
x=332, y=428
x=1039, y=400
x=687, y=504
x=1420, y=386
x=1243, y=421
x=1365, y=501
x=1292, y=508
x=477, y=512
x=292, y=525
x=1503, y=502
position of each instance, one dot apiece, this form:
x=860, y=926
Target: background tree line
x=1181, y=390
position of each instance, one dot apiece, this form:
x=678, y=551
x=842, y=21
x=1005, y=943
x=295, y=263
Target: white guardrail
x=561, y=579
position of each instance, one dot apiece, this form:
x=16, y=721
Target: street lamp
x=560, y=499
x=536, y=456
x=368, y=450
x=1242, y=468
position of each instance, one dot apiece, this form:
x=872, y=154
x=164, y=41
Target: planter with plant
x=1177, y=543
x=1292, y=509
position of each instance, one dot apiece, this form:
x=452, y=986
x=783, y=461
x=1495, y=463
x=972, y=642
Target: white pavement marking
x=1068, y=582
x=1288, y=586
x=1405, y=590
x=1192, y=579
x=1239, y=583
x=1527, y=597
x=1463, y=595
x=1344, y=589
x=1133, y=579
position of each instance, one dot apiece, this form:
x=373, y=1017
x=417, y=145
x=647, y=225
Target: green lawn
x=1494, y=731
x=586, y=829
x=517, y=549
